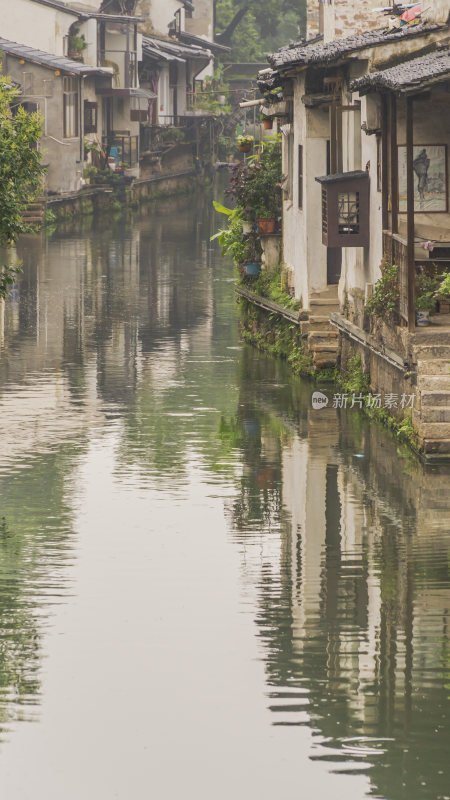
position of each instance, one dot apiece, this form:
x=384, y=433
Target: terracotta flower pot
x=268, y=124
x=245, y=147
x=266, y=225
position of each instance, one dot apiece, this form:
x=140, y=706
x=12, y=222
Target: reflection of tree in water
x=365, y=651
x=34, y=548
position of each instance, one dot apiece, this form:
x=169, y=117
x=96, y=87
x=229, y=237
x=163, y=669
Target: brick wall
x=342, y=17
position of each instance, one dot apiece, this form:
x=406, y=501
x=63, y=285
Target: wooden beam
x=410, y=211
x=340, y=166
x=384, y=162
x=333, y=140
x=394, y=164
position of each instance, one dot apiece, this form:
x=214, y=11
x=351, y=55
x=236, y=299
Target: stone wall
x=340, y=18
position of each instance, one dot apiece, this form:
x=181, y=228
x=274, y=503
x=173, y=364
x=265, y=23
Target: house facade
x=80, y=67
x=365, y=162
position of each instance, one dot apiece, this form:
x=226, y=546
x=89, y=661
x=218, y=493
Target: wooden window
x=70, y=107
x=27, y=83
x=90, y=117
x=289, y=182
x=300, y=176
x=345, y=209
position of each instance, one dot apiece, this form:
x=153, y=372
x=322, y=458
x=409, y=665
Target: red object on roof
x=411, y=13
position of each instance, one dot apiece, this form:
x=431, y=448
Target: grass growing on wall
x=277, y=336
x=271, y=285
x=353, y=380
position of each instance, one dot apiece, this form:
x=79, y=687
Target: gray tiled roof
x=49, y=60
x=171, y=50
x=407, y=76
x=58, y=4
x=304, y=54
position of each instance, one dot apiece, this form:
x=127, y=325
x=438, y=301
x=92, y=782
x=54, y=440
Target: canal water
x=208, y=588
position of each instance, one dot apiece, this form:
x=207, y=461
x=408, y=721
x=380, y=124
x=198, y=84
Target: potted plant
x=426, y=286
x=265, y=218
x=245, y=143
x=252, y=255
x=267, y=122
x=77, y=44
x=442, y=293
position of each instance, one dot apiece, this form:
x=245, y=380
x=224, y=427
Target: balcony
x=119, y=51
x=123, y=148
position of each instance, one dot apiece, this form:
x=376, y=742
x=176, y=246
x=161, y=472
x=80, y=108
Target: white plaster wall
x=304, y=253
x=294, y=220
x=202, y=21
x=35, y=25
x=181, y=89
x=88, y=29
x=315, y=165
x=158, y=13
x=164, y=108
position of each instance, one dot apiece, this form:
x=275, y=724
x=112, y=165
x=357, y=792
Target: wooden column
x=333, y=138
x=394, y=164
x=384, y=163
x=410, y=211
x=339, y=164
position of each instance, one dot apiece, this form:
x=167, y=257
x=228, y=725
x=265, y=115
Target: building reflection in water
x=354, y=604
x=129, y=333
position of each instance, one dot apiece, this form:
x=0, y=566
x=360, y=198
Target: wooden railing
x=395, y=250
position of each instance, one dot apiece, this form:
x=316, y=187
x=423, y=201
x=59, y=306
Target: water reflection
x=131, y=418
x=354, y=611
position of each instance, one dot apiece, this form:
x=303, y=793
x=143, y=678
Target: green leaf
x=222, y=209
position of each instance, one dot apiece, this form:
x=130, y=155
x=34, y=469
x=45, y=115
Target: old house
x=365, y=157
x=65, y=93
x=179, y=52
x=79, y=66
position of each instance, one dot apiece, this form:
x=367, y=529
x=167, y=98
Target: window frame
x=71, y=100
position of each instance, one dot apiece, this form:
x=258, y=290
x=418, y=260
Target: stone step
x=434, y=366
x=323, y=334
x=313, y=325
x=424, y=352
x=434, y=414
x=323, y=308
x=324, y=348
x=330, y=291
x=434, y=430
x=434, y=399
x=434, y=383
x=321, y=360
x=319, y=300
x=436, y=446
x=430, y=337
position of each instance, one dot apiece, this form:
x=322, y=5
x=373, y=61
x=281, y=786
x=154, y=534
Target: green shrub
x=386, y=294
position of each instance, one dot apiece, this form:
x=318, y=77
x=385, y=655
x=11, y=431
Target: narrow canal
x=208, y=589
